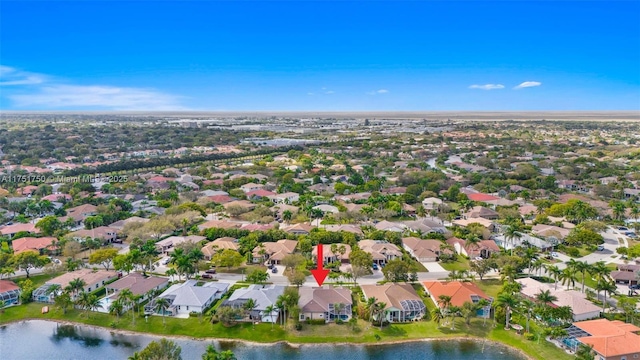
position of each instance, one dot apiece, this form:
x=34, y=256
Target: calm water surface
x=40, y=340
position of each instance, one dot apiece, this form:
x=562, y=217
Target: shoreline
x=292, y=345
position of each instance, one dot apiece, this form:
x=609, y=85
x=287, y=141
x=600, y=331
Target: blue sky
x=339, y=55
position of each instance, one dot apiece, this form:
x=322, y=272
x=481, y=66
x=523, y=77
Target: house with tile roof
x=611, y=340
x=402, y=302
x=460, y=292
x=33, y=244
x=330, y=256
x=381, y=251
x=9, y=293
x=140, y=285
x=104, y=233
x=274, y=252
x=482, y=249
x=326, y=303
x=481, y=212
x=219, y=244
x=422, y=250
x=583, y=309
x=79, y=213
x=93, y=279
x=11, y=230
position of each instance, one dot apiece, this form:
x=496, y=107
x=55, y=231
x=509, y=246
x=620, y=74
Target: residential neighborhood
x=450, y=226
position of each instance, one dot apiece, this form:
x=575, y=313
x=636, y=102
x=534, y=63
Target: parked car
x=274, y=270
x=165, y=261
x=207, y=276
x=211, y=271
x=375, y=266
x=600, y=247
x=623, y=228
x=270, y=266
x=554, y=254
x=634, y=287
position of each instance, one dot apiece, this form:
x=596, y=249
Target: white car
x=554, y=254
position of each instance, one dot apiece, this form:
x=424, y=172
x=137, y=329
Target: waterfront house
x=610, y=340
x=402, y=302
x=263, y=296
x=189, y=297
x=9, y=293
x=582, y=308
x=460, y=292
x=326, y=303
x=143, y=287
x=93, y=280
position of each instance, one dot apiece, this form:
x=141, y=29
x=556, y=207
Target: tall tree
x=160, y=350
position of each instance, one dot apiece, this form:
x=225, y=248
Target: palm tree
x=530, y=254
x=569, y=277
x=600, y=272
x=528, y=306
x=380, y=310
x=116, y=308
x=171, y=272
x=287, y=215
x=538, y=265
x=370, y=306
x=55, y=290
x=585, y=352
x=269, y=310
x=468, y=310
x=281, y=307
x=248, y=307
x=128, y=298
x=437, y=314
x=76, y=285
x=93, y=303
x=545, y=297
x=161, y=305
x=607, y=287
x=555, y=273
x=509, y=302
x=510, y=234
x=582, y=267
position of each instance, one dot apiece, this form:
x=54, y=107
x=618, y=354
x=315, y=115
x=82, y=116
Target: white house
x=188, y=297
x=263, y=295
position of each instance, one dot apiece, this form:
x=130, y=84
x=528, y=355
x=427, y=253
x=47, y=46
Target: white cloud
x=381, y=91
x=527, y=84
x=487, y=86
x=310, y=94
x=11, y=76
x=329, y=92
x=116, y=98
x=47, y=93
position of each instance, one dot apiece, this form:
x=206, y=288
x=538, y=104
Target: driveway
x=434, y=267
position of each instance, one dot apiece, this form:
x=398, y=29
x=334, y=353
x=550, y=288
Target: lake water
x=38, y=340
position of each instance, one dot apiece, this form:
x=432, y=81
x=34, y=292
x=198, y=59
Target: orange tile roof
x=610, y=338
x=32, y=244
x=460, y=292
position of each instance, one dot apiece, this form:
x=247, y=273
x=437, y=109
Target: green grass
x=38, y=280
x=589, y=281
x=490, y=287
x=460, y=264
x=240, y=269
x=199, y=327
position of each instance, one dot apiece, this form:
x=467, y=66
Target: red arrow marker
x=320, y=274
